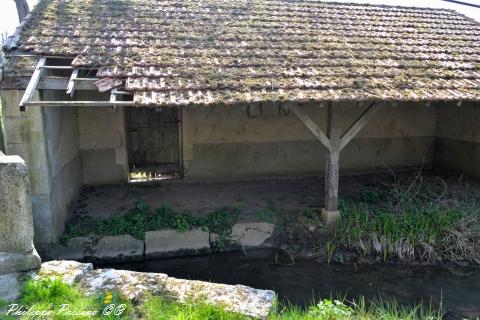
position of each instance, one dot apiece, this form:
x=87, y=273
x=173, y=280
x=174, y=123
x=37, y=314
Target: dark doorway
x=153, y=137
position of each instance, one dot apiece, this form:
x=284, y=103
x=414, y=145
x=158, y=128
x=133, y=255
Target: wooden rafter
x=32, y=85
x=71, y=83
x=80, y=103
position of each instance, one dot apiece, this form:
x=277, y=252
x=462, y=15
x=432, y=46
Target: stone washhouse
x=98, y=92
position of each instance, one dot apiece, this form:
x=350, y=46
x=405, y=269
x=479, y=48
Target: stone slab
x=74, y=249
x=116, y=248
x=11, y=262
x=69, y=271
x=253, y=234
x=172, y=242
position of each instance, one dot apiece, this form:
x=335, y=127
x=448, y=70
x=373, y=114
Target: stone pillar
x=17, y=253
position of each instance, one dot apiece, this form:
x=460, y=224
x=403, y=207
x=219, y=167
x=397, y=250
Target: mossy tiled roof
x=217, y=51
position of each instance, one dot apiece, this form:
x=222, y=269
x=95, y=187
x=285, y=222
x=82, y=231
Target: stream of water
x=299, y=283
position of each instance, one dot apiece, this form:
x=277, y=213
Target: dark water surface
x=299, y=283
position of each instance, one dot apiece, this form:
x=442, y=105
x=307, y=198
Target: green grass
x=49, y=295
x=411, y=226
x=56, y=300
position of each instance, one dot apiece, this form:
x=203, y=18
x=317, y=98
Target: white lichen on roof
x=213, y=51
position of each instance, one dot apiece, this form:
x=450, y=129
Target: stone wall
x=458, y=138
x=223, y=142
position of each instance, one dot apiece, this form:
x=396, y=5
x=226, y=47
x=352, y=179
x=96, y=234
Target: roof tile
x=177, y=52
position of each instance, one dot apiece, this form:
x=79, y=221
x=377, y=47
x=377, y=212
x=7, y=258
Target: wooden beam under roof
x=88, y=103
x=71, y=83
x=45, y=83
x=32, y=85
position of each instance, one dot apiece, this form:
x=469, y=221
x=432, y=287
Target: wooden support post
x=332, y=166
x=32, y=85
x=334, y=142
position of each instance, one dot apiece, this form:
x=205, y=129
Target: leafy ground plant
x=142, y=219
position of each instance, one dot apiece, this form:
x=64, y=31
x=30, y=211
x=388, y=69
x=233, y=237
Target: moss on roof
x=215, y=51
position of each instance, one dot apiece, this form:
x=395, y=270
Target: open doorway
x=153, y=144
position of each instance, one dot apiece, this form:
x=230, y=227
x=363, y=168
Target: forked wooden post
x=334, y=142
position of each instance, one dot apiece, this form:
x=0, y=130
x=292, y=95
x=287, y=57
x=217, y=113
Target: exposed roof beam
x=71, y=83
x=32, y=85
x=59, y=67
x=70, y=103
x=45, y=83
x=113, y=97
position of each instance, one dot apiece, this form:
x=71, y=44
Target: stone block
x=172, y=242
x=116, y=248
x=69, y=271
x=16, y=223
x=11, y=262
x=74, y=249
x=252, y=234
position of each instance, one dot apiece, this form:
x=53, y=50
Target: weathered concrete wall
x=103, y=145
x=63, y=153
x=223, y=142
x=458, y=138
x=47, y=138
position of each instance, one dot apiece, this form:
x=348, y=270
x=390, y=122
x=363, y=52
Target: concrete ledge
x=116, y=248
x=74, y=249
x=164, y=243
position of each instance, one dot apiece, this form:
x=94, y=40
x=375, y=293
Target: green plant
x=61, y=301
x=330, y=248
x=331, y=310
x=141, y=219
x=410, y=227
x=268, y=214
